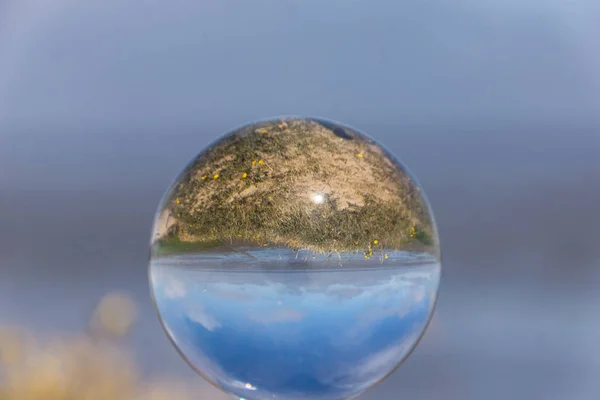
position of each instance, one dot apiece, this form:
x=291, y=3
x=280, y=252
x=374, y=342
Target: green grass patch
x=173, y=245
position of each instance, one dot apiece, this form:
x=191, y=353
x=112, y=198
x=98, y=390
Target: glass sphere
x=294, y=258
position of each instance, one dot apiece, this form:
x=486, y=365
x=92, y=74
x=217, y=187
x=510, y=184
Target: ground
x=298, y=183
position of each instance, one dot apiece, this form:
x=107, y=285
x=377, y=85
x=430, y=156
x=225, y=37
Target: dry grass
x=88, y=366
x=259, y=184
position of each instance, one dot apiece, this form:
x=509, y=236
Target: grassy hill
x=295, y=182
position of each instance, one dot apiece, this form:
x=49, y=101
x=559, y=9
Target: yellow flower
x=244, y=175
x=385, y=256
x=360, y=155
x=177, y=200
x=216, y=176
x=281, y=126
x=253, y=162
x=260, y=162
x=265, y=244
x=356, y=242
x=204, y=177
x=375, y=241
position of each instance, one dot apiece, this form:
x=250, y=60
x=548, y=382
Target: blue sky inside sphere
x=322, y=334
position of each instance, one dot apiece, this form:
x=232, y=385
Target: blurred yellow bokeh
x=85, y=366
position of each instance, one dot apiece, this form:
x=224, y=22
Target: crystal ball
x=294, y=258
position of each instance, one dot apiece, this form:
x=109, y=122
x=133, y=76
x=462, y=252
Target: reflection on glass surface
x=295, y=259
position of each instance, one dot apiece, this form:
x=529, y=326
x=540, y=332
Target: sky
x=492, y=104
x=111, y=62
x=342, y=330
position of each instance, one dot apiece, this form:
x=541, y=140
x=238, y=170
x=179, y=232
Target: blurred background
x=493, y=104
